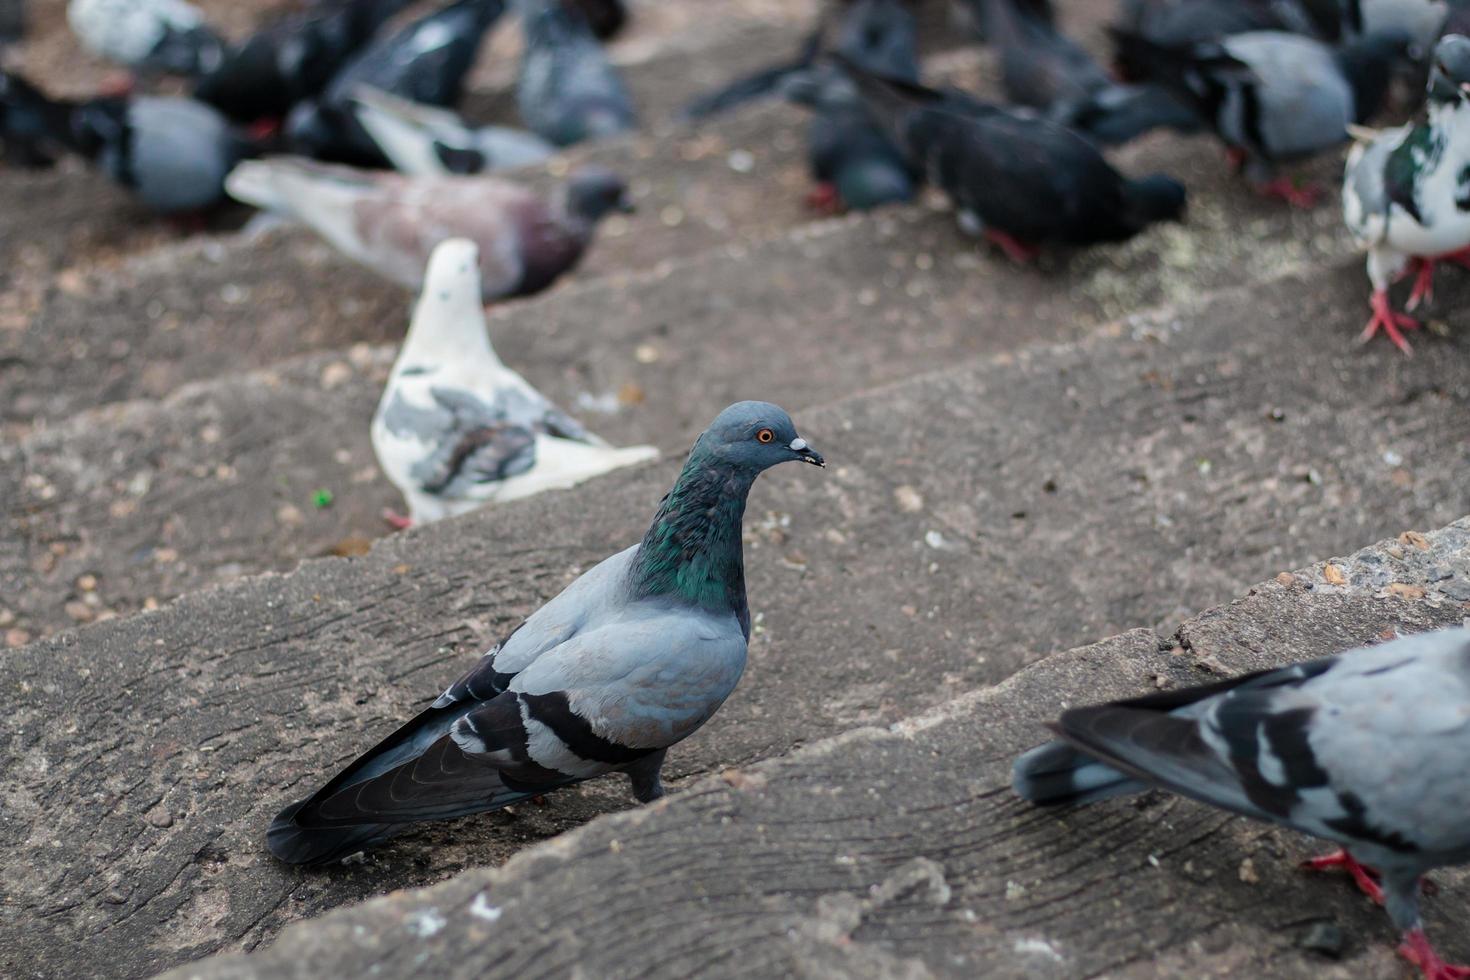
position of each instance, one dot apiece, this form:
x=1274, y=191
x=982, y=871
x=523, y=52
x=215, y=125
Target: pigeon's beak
x=806, y=453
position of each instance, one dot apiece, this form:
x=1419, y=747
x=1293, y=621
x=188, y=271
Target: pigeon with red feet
x=629, y=660
x=456, y=429
x=1017, y=180
x=1405, y=193
x=1366, y=749
x=1276, y=97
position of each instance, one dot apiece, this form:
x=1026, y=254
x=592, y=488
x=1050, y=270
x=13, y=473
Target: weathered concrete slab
x=973, y=521
x=901, y=852
x=133, y=504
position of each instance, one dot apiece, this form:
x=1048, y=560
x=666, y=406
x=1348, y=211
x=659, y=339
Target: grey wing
x=1365, y=190
x=596, y=593
x=470, y=440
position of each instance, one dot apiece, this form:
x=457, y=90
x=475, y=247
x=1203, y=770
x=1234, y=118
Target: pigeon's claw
x=1298, y=196
x=1423, y=291
x=1389, y=321
x=824, y=199
x=1416, y=949
x=396, y=520
x=1017, y=251
x=1365, y=878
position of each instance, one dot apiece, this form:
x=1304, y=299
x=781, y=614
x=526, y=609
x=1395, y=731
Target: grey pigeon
x=292, y=59
x=1043, y=69
x=172, y=153
x=1406, y=192
x=456, y=428
x=427, y=62
x=391, y=223
x=567, y=91
x=630, y=659
x=1018, y=181
x=421, y=140
x=1185, y=22
x=1366, y=749
x=1274, y=97
x=149, y=35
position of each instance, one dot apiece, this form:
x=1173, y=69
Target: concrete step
x=973, y=521
x=195, y=310
x=900, y=851
x=640, y=345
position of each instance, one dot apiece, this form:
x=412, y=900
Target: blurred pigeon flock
x=387, y=395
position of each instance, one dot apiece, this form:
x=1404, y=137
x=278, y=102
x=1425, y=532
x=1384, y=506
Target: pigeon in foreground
x=391, y=223
x=425, y=62
x=628, y=660
x=148, y=35
x=1043, y=69
x=425, y=141
x=1274, y=97
x=1366, y=749
x=292, y=59
x=567, y=91
x=1406, y=193
x=1020, y=182
x=456, y=428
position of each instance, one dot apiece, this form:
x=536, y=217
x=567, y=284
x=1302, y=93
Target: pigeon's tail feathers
x=757, y=85
x=321, y=195
x=1056, y=774
x=411, y=135
x=1178, y=66
x=294, y=844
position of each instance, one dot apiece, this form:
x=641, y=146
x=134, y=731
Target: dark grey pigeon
x=391, y=223
x=1043, y=69
x=1182, y=22
x=629, y=660
x=1018, y=181
x=567, y=91
x=1366, y=749
x=1274, y=97
x=425, y=62
x=292, y=59
x=172, y=153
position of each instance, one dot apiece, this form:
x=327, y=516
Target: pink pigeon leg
x=1416, y=949
x=1017, y=251
x=396, y=520
x=1366, y=879
x=1390, y=322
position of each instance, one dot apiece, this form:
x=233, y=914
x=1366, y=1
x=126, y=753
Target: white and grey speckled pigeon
x=1366, y=749
x=421, y=140
x=567, y=91
x=630, y=659
x=172, y=153
x=149, y=35
x=1271, y=96
x=1406, y=194
x=391, y=223
x=457, y=429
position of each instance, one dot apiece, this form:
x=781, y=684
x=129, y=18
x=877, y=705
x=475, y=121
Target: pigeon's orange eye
x=765, y=435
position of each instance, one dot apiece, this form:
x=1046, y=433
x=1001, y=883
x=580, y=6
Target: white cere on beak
x=798, y=444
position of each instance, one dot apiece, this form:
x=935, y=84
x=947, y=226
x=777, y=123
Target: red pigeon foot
x=824, y=199
x=1017, y=251
x=1391, y=322
x=1366, y=878
x=1416, y=949
x=1287, y=190
x=396, y=520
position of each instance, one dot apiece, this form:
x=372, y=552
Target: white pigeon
x=426, y=141
x=1366, y=749
x=456, y=428
x=162, y=35
x=1406, y=192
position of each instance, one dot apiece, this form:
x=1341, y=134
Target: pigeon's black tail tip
x=1056, y=774
x=291, y=843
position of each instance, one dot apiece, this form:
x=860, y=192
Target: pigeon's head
x=1449, y=75
x=1156, y=197
x=754, y=436
x=592, y=192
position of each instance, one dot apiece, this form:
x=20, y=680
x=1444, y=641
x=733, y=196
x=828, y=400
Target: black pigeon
x=34, y=130
x=292, y=59
x=567, y=91
x=1043, y=69
x=425, y=62
x=1274, y=97
x=853, y=162
x=1018, y=181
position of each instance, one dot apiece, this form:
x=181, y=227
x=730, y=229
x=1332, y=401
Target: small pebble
x=1323, y=937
